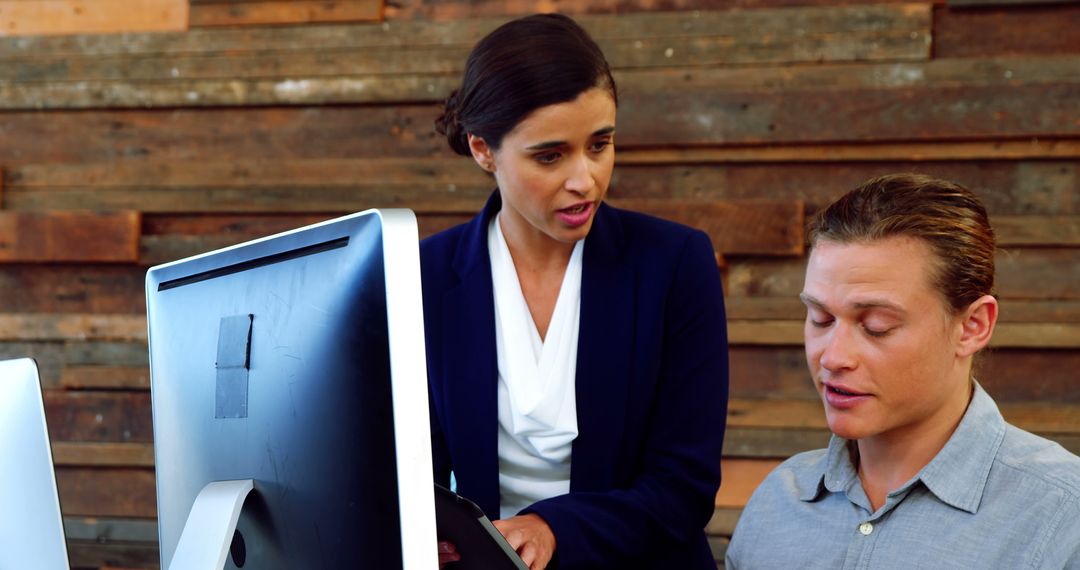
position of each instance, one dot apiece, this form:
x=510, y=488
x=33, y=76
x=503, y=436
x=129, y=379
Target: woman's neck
x=533, y=250
x=540, y=263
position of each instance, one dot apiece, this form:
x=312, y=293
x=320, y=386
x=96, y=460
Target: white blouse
x=537, y=404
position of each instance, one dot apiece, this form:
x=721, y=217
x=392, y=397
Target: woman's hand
x=447, y=553
x=531, y=537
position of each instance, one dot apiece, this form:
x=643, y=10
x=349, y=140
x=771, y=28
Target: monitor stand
x=211, y=523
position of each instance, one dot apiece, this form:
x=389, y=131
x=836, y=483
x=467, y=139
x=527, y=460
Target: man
x=921, y=471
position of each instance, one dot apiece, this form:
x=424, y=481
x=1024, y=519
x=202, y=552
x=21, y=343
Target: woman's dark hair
x=946, y=216
x=522, y=66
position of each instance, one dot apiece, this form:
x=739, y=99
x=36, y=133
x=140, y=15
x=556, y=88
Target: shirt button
x=866, y=528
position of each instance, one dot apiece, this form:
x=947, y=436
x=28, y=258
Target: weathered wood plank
x=114, y=555
x=125, y=354
x=1030, y=375
x=222, y=92
x=48, y=355
x=936, y=151
x=313, y=172
x=242, y=226
x=643, y=52
x=425, y=198
x=1036, y=311
x=1006, y=187
x=983, y=3
x=625, y=37
x=1032, y=273
x=256, y=12
x=772, y=442
x=449, y=10
x=942, y=99
x=761, y=332
x=71, y=288
x=105, y=529
x=112, y=492
x=93, y=454
x=758, y=227
x=105, y=378
x=740, y=478
x=947, y=99
x=769, y=372
x=1036, y=335
x=1037, y=230
x=101, y=417
x=1007, y=30
x=221, y=134
x=67, y=326
x=69, y=237
x=1006, y=335
x=335, y=185
x=723, y=521
x=50, y=17
x=718, y=545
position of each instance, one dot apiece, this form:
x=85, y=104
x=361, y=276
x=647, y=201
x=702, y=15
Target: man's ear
x=977, y=325
x=482, y=153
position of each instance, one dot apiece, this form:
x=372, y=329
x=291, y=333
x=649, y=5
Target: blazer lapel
x=605, y=345
x=469, y=336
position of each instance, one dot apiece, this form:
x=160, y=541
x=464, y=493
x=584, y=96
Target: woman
x=577, y=353
x=921, y=471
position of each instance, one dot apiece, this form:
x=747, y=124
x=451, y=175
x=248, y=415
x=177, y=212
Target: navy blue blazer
x=651, y=388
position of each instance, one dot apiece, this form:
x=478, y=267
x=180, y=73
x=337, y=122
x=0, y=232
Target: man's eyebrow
x=556, y=144
x=810, y=300
x=879, y=304
x=862, y=305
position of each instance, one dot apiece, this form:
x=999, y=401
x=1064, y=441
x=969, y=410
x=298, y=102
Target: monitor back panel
x=269, y=361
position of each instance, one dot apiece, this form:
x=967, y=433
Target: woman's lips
x=842, y=397
x=577, y=215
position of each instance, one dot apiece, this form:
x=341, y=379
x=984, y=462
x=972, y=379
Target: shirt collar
x=958, y=473
x=956, y=476
x=833, y=471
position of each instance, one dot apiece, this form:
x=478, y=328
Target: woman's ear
x=482, y=153
x=977, y=325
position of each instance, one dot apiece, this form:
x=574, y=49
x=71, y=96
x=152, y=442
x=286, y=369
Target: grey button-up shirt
x=994, y=497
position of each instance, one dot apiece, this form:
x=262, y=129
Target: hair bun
x=449, y=124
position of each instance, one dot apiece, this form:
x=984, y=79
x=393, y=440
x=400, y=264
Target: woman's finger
x=528, y=554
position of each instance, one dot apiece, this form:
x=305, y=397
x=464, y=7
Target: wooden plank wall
x=740, y=116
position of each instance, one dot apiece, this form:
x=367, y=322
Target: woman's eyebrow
x=546, y=145
x=555, y=144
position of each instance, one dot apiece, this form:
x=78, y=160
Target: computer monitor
x=31, y=528
x=297, y=361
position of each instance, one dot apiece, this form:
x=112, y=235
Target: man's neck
x=886, y=461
